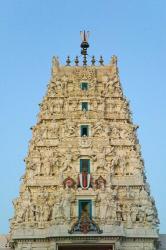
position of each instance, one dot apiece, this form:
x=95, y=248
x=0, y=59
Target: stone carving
x=97, y=129
x=70, y=129
x=107, y=85
x=68, y=158
x=69, y=182
x=57, y=210
x=56, y=107
x=114, y=60
x=101, y=105
x=118, y=163
x=100, y=181
x=68, y=198
x=100, y=158
x=55, y=62
x=106, y=204
x=115, y=192
x=86, y=142
x=85, y=74
x=102, y=203
x=23, y=209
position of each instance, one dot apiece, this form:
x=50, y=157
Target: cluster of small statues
x=65, y=95
x=123, y=134
x=59, y=205
x=43, y=207
x=53, y=107
x=51, y=161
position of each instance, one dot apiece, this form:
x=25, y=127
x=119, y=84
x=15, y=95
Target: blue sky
x=32, y=31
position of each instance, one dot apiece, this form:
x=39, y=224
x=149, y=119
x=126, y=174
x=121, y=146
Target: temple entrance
x=86, y=247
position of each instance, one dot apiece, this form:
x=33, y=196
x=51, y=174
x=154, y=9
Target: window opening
x=84, y=86
x=85, y=165
x=85, y=208
x=84, y=130
x=84, y=106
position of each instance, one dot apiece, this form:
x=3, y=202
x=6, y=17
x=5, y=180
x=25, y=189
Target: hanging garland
x=88, y=181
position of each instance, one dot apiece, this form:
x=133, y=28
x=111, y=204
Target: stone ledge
x=62, y=231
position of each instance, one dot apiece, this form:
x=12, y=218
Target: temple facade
x=84, y=185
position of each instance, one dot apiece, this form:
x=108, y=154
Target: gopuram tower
x=84, y=186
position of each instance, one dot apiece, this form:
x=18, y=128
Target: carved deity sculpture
x=68, y=198
x=107, y=85
x=70, y=129
x=100, y=158
x=103, y=198
x=68, y=160
x=57, y=210
x=97, y=129
x=23, y=207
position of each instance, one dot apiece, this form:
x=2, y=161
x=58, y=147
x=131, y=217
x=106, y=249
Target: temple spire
x=84, y=45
